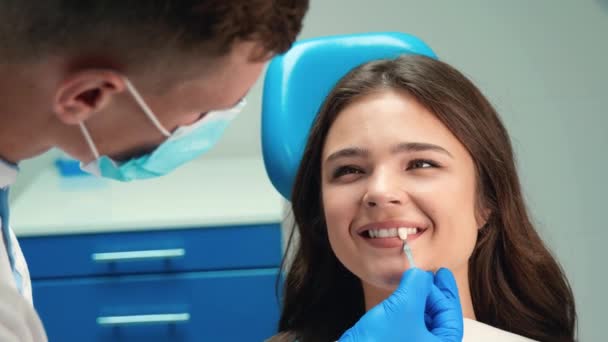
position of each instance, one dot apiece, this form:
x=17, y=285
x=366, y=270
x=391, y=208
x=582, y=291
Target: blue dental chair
x=298, y=82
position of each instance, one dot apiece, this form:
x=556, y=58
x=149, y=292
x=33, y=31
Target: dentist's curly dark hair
x=143, y=30
x=515, y=282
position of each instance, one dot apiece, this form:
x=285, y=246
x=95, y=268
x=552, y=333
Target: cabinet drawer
x=196, y=306
x=237, y=247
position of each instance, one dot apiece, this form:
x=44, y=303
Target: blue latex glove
x=424, y=308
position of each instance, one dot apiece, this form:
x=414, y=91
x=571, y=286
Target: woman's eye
x=421, y=164
x=346, y=170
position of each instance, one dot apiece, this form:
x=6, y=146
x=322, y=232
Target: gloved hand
x=424, y=308
x=18, y=319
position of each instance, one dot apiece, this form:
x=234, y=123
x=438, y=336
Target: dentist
x=132, y=89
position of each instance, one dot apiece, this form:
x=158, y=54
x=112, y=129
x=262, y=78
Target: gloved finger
x=428, y=321
x=445, y=281
x=416, y=280
x=445, y=315
x=436, y=303
x=410, y=296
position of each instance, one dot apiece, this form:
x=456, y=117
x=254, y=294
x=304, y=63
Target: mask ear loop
x=140, y=101
x=89, y=140
x=144, y=107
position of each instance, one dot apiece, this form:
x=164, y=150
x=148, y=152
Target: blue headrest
x=298, y=82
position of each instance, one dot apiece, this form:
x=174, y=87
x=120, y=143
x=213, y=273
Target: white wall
x=543, y=64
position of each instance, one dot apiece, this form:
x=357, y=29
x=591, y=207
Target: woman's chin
x=389, y=278
x=383, y=274
x=386, y=280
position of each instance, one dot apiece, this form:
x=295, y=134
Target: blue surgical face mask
x=183, y=145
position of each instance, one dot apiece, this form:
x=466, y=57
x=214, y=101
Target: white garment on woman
x=475, y=331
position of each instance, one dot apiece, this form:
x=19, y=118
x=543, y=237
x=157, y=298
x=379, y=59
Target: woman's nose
x=382, y=192
x=380, y=201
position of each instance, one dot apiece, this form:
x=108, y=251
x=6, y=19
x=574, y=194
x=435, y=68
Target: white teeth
x=401, y=232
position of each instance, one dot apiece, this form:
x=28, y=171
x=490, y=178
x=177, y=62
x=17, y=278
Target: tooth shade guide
x=403, y=232
x=408, y=253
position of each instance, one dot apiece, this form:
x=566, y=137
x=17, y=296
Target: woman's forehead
x=383, y=120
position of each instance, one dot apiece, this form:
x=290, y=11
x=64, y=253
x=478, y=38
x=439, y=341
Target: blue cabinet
x=208, y=284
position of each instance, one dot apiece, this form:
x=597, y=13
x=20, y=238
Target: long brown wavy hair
x=515, y=282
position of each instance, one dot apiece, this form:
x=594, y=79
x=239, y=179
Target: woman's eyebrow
x=348, y=152
x=419, y=147
x=399, y=148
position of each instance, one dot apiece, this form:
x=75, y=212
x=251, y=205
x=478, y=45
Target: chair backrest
x=298, y=82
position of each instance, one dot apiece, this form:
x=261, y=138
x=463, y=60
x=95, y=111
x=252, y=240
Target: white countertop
x=202, y=193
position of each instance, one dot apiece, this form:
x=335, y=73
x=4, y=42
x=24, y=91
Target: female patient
x=412, y=143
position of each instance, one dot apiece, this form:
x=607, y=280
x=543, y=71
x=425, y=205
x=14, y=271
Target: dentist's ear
x=84, y=93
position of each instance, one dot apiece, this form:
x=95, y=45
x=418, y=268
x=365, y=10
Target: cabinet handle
x=138, y=255
x=143, y=319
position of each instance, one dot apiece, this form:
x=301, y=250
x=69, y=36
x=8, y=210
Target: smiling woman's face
x=389, y=163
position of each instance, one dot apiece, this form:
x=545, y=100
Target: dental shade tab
x=403, y=232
